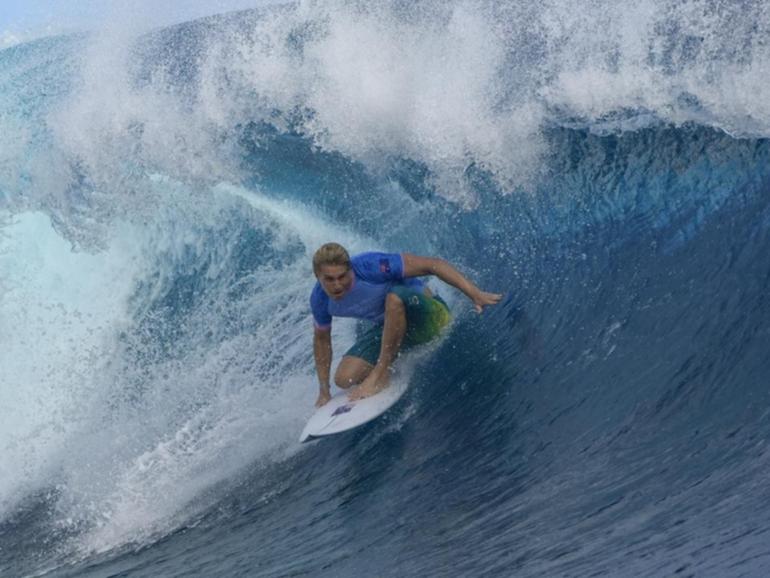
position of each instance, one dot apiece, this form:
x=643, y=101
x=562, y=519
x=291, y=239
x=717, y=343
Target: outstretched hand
x=483, y=299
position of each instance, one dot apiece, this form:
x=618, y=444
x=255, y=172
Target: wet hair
x=330, y=254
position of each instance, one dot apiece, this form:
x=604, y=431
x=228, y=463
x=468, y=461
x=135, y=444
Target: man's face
x=336, y=280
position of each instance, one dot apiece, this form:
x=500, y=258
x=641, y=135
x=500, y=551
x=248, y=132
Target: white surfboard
x=340, y=414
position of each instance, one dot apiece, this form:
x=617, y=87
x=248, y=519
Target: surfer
x=384, y=289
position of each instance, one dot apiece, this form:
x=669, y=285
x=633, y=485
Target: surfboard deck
x=340, y=414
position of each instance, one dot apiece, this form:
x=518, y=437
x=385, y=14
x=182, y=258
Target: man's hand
x=483, y=299
x=323, y=398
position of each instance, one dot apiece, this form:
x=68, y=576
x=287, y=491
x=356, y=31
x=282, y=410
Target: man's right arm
x=322, y=351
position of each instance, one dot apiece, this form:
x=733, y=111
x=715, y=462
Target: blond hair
x=330, y=254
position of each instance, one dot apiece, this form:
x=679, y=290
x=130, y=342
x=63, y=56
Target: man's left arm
x=415, y=266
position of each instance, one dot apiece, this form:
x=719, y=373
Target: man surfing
x=384, y=289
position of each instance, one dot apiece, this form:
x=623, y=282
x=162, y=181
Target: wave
x=161, y=196
x=448, y=86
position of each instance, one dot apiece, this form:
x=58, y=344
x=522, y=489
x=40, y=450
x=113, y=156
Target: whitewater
x=604, y=165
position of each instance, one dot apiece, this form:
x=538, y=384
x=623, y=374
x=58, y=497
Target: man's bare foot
x=367, y=389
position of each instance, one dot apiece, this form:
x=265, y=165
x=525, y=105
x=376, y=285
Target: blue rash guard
x=375, y=274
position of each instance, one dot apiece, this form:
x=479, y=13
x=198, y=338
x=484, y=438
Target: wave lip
x=457, y=88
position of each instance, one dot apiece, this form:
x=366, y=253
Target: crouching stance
x=385, y=290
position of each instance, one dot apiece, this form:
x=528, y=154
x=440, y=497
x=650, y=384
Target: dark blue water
x=609, y=417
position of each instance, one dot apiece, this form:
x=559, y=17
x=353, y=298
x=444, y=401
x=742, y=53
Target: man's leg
x=351, y=371
x=392, y=335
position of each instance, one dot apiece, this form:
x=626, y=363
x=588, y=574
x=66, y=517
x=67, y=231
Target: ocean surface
x=605, y=165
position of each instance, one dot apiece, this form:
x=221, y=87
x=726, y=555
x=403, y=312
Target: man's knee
x=342, y=380
x=351, y=371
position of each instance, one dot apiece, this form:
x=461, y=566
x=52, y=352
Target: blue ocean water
x=162, y=191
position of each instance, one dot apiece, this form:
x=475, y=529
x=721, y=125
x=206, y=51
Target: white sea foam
x=9, y=38
x=454, y=86
x=130, y=440
x=380, y=85
x=57, y=312
x=687, y=61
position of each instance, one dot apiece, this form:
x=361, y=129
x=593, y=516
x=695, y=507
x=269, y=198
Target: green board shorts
x=425, y=318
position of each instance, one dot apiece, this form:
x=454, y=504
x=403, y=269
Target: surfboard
x=340, y=414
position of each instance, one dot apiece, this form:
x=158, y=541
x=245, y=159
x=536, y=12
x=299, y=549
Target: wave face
x=161, y=193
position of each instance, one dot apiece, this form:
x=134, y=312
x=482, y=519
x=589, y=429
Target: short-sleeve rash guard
x=374, y=274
